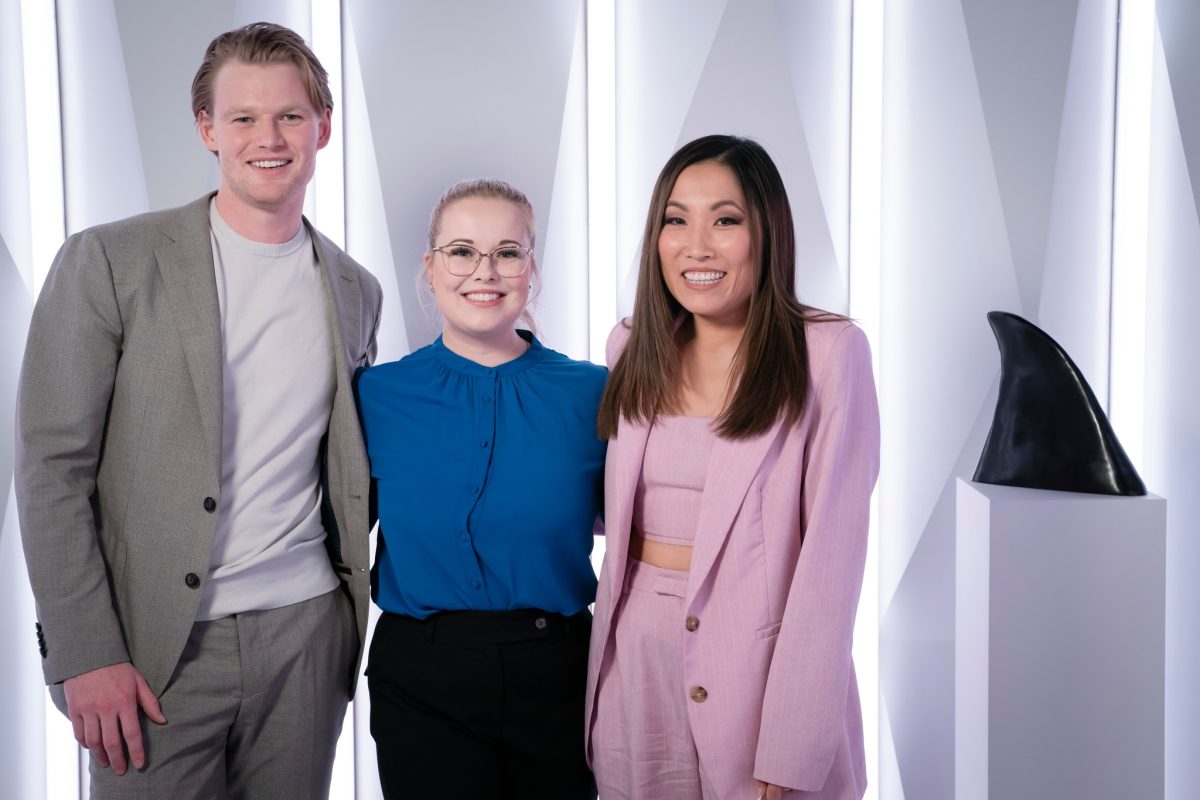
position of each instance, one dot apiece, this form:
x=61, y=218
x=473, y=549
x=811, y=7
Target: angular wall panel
x=22, y=740
x=129, y=139
x=996, y=172
x=460, y=91
x=1075, y=286
x=1172, y=425
x=777, y=72
x=997, y=176
x=15, y=233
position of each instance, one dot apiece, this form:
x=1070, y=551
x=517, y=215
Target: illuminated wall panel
x=1171, y=369
x=442, y=92
x=776, y=71
x=996, y=171
x=997, y=137
x=129, y=140
x=23, y=739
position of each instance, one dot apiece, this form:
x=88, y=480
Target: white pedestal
x=1059, y=648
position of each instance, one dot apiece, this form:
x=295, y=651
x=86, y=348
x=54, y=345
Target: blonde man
x=191, y=479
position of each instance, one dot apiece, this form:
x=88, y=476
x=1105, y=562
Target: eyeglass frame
x=491, y=256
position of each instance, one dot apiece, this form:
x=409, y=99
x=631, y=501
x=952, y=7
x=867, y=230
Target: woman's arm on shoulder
x=617, y=339
x=804, y=708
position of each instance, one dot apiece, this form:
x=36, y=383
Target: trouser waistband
x=497, y=627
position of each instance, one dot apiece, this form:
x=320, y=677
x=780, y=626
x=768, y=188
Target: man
x=186, y=384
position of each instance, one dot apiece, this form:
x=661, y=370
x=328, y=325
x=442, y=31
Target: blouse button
x=483, y=443
x=699, y=694
x=462, y=537
x=692, y=623
x=487, y=398
x=474, y=584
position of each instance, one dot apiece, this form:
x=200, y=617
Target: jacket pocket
x=768, y=631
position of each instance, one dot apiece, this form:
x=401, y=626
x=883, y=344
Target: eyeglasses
x=510, y=260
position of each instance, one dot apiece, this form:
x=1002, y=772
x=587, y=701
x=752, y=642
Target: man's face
x=266, y=135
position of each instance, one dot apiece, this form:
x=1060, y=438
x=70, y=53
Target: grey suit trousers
x=254, y=708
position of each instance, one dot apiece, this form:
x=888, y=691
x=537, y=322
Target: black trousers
x=481, y=704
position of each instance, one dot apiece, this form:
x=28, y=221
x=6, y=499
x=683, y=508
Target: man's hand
x=103, y=707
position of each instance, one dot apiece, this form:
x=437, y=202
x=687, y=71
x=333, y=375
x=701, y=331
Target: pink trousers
x=642, y=746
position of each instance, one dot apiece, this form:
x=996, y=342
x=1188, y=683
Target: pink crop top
x=666, y=506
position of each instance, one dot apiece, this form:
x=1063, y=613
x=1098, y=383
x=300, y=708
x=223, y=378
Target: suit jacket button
x=191, y=580
x=210, y=505
x=692, y=623
x=699, y=694
x=540, y=623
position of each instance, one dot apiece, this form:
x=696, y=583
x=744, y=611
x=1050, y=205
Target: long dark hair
x=770, y=368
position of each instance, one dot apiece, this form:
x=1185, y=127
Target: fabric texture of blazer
x=119, y=416
x=775, y=578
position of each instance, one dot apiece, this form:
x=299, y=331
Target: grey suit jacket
x=119, y=440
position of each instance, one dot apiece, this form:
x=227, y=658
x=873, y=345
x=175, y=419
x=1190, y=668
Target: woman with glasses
x=488, y=474
x=743, y=447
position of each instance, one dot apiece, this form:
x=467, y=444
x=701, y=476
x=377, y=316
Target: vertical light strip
x=66, y=770
x=602, y=172
x=866, y=148
x=1131, y=219
x=329, y=216
x=82, y=764
x=329, y=182
x=43, y=119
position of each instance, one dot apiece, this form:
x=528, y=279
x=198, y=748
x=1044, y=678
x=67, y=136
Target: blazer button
x=191, y=580
x=692, y=623
x=210, y=505
x=699, y=694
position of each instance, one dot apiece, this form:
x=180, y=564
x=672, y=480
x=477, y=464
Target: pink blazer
x=775, y=579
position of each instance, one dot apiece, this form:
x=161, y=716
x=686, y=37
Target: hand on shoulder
x=617, y=338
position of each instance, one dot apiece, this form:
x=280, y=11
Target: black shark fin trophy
x=1058, y=595
x=1049, y=432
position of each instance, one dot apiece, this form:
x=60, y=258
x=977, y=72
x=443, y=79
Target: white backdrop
x=994, y=124
x=997, y=175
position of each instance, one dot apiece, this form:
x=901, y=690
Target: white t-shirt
x=278, y=382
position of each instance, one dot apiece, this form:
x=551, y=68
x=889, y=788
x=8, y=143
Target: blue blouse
x=488, y=479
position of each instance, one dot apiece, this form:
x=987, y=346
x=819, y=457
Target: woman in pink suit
x=743, y=448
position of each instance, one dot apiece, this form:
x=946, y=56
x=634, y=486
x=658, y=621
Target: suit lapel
x=345, y=300
x=624, y=467
x=732, y=466
x=186, y=264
